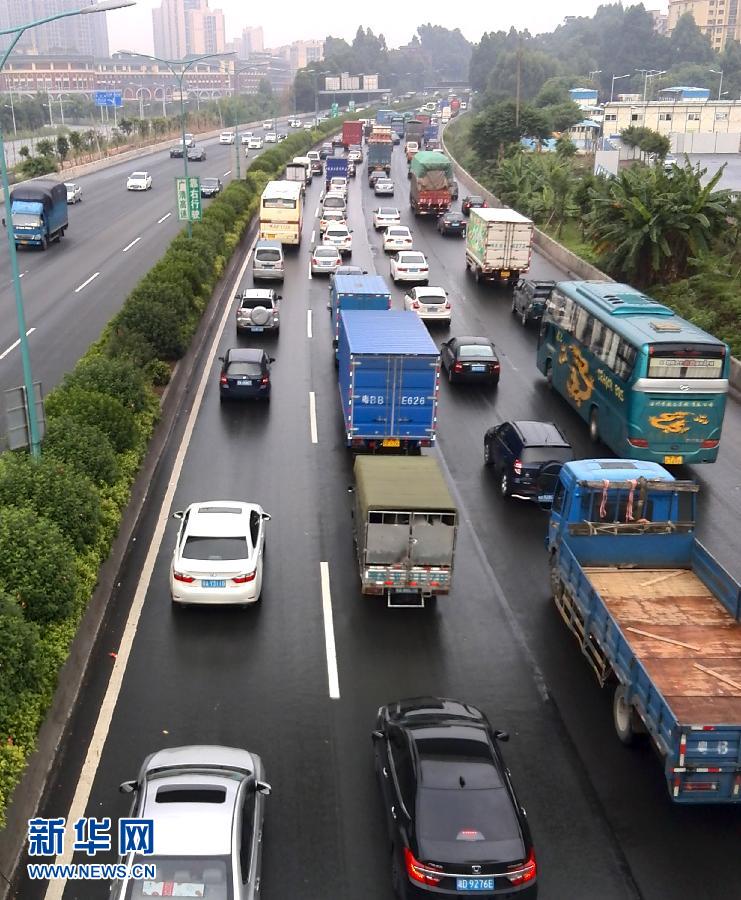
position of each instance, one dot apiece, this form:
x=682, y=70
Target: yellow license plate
x=505, y=273
x=391, y=442
x=673, y=460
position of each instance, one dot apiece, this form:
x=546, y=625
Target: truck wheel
x=549, y=373
x=514, y=304
x=625, y=717
x=555, y=578
x=594, y=425
x=477, y=274
x=44, y=243
x=488, y=461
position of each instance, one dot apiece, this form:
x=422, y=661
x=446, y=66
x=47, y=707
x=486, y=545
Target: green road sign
x=351, y=106
x=335, y=110
x=188, y=198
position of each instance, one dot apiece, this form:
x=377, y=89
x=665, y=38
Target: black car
x=325, y=151
x=196, y=154
x=245, y=374
x=210, y=187
x=472, y=201
x=470, y=358
x=337, y=141
x=176, y=152
x=452, y=223
x=517, y=451
x=454, y=820
x=530, y=297
x=375, y=175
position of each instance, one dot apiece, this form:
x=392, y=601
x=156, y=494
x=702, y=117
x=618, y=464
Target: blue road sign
x=108, y=98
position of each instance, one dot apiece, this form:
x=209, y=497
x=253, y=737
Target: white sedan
x=245, y=137
x=218, y=557
x=385, y=216
x=267, y=125
x=397, y=237
x=295, y=123
x=430, y=303
x=339, y=235
x=74, y=192
x=226, y=137
x=409, y=265
x=271, y=138
x=139, y=181
x=254, y=143
x=325, y=259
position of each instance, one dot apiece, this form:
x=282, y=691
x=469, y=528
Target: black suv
x=455, y=823
x=518, y=451
x=529, y=299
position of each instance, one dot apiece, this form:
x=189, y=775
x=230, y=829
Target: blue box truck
x=334, y=167
x=39, y=213
x=389, y=374
x=654, y=613
x=355, y=292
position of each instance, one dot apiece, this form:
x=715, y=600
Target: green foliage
x=159, y=324
x=37, y=565
x=563, y=115
x=646, y=140
x=497, y=127
x=84, y=447
x=19, y=660
x=119, y=378
x=62, y=147
x=95, y=408
x=35, y=166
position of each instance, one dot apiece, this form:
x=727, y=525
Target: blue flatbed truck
x=39, y=213
x=355, y=292
x=655, y=614
x=389, y=376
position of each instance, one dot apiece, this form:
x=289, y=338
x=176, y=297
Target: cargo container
x=355, y=292
x=498, y=244
x=352, y=133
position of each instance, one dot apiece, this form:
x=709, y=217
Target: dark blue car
x=245, y=374
x=518, y=452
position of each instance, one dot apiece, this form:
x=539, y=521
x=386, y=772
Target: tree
x=563, y=115
x=496, y=128
x=449, y=51
x=76, y=142
x=62, y=147
x=126, y=126
x=687, y=44
x=24, y=151
x=536, y=67
x=646, y=140
x=45, y=148
x=485, y=54
x=265, y=89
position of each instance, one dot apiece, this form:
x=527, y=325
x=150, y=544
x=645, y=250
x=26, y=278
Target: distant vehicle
x=669, y=162
x=334, y=200
x=344, y=269
x=189, y=140
x=38, y=211
x=517, y=451
x=384, y=187
x=336, y=167
x=409, y=265
x=282, y=212
x=282, y=136
x=196, y=154
x=271, y=138
x=317, y=166
x=325, y=259
x=227, y=137
x=529, y=299
x=410, y=149
x=268, y=261
x=469, y=358
x=429, y=191
x=385, y=216
x=74, y=192
x=294, y=123
x=340, y=236
x=139, y=181
x=338, y=185
x=352, y=135
x=258, y=311
x=210, y=187
x=453, y=186
x=331, y=215
x=254, y=143
x=245, y=374
x=395, y=139
x=268, y=125
x=472, y=201
x=308, y=126
x=498, y=244
x=397, y=237
x=431, y=304
x=374, y=177
x=325, y=150
x=177, y=151
x=190, y=778
x=245, y=137
x=452, y=223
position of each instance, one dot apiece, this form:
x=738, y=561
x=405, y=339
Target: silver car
x=207, y=806
x=258, y=310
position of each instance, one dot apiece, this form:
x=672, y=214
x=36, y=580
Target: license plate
x=213, y=583
x=413, y=270
x=673, y=460
x=257, y=328
x=478, y=368
x=505, y=273
x=244, y=382
x=474, y=884
x=391, y=442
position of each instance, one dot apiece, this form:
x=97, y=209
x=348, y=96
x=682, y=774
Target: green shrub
x=94, y=408
x=161, y=325
x=18, y=661
x=84, y=447
x=54, y=490
x=126, y=343
x=158, y=372
x=119, y=378
x=37, y=565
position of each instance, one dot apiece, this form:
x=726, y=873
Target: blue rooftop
x=360, y=284
x=616, y=470
x=387, y=331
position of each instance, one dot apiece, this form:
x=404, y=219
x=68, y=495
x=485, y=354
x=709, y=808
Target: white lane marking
x=310, y=275
x=23, y=273
x=308, y=324
x=166, y=216
x=332, y=675
x=86, y=283
x=313, y=235
x=227, y=173
x=15, y=344
x=316, y=214
x=312, y=417
x=129, y=246
x=55, y=890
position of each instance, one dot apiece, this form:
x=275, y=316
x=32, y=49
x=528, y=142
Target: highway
x=602, y=823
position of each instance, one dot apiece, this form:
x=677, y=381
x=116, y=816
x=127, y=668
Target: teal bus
x=651, y=385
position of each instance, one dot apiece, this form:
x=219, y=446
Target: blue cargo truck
x=39, y=213
x=389, y=374
x=355, y=292
x=431, y=133
x=656, y=616
x=384, y=116
x=334, y=167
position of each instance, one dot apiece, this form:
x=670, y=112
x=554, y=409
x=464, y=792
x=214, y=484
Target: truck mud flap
x=398, y=600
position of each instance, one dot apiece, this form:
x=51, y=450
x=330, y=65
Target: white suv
x=430, y=303
x=226, y=137
x=340, y=236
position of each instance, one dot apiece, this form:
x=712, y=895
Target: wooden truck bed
x=688, y=642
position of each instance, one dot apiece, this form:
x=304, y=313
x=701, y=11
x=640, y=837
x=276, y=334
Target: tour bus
x=651, y=385
x=281, y=212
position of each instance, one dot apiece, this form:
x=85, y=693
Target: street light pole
x=720, y=85
x=17, y=31
x=612, y=86
x=237, y=73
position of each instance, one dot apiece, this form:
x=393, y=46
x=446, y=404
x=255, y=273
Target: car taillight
x=709, y=445
x=179, y=576
x=447, y=304
x=493, y=367
x=401, y=269
x=637, y=442
x=243, y=579
x=458, y=367
x=525, y=872
x=517, y=466
x=417, y=872
x=265, y=379
x=223, y=379
x=415, y=304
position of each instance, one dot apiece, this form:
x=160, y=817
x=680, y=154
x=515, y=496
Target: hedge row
x=60, y=515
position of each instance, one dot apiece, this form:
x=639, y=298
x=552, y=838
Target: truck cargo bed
x=686, y=639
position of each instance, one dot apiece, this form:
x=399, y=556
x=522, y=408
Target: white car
x=330, y=216
x=74, y=192
x=430, y=303
x=334, y=200
x=268, y=125
x=245, y=137
x=218, y=557
x=254, y=143
x=271, y=138
x=355, y=156
x=308, y=126
x=227, y=137
x=325, y=259
x=338, y=185
x=409, y=265
x=295, y=123
x=397, y=237
x=139, y=181
x=339, y=235
x=385, y=216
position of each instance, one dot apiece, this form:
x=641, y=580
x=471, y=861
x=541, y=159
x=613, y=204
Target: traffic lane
x=464, y=648
x=712, y=162
x=654, y=833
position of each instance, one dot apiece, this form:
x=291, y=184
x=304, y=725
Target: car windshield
x=243, y=368
x=397, y=232
x=388, y=211
x=253, y=302
x=479, y=351
x=139, y=175
x=531, y=455
x=210, y=182
x=27, y=219
x=70, y=187
x=201, y=876
x=475, y=199
x=215, y=549
x=268, y=255
x=334, y=203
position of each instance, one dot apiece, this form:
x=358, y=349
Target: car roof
x=222, y=518
x=142, y=172
x=473, y=339
x=255, y=293
x=394, y=228
x=414, y=253
x=326, y=250
x=245, y=354
x=389, y=211
x=265, y=244
x=428, y=290
x=541, y=434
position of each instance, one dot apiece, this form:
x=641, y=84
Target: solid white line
x=316, y=214
x=166, y=216
x=313, y=235
x=309, y=332
x=332, y=675
x=16, y=343
x=310, y=275
x=23, y=273
x=227, y=173
x=312, y=417
x=55, y=890
x=86, y=283
x=129, y=246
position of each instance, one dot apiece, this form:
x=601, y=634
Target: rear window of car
x=531, y=455
x=254, y=302
x=388, y=211
x=467, y=819
x=415, y=258
x=325, y=251
x=334, y=203
x=481, y=351
x=243, y=368
x=429, y=299
x=215, y=548
x=398, y=232
x=268, y=255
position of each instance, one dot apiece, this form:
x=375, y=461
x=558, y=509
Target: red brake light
x=458, y=367
x=417, y=872
x=415, y=304
x=179, y=576
x=709, y=445
x=525, y=872
x=638, y=442
x=243, y=579
x=447, y=304
x=265, y=379
x=517, y=466
x=223, y=379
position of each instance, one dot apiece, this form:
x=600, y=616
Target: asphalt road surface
x=603, y=825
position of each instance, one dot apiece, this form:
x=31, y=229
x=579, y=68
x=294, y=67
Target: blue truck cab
x=355, y=292
x=39, y=213
x=656, y=616
x=389, y=378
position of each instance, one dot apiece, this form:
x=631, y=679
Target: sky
x=291, y=20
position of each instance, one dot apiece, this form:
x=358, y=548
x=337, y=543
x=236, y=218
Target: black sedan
x=472, y=201
x=454, y=820
x=210, y=187
x=325, y=151
x=470, y=358
x=196, y=154
x=452, y=223
x=176, y=151
x=245, y=374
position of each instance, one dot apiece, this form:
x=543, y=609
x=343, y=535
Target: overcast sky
x=290, y=20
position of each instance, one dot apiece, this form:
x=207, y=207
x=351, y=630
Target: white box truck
x=498, y=244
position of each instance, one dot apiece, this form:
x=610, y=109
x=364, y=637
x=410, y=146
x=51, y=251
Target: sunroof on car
x=190, y=794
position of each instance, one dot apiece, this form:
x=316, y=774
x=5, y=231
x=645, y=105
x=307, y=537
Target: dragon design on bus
x=675, y=422
x=580, y=383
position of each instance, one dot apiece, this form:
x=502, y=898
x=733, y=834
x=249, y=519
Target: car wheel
x=549, y=373
x=514, y=304
x=450, y=376
x=504, y=485
x=594, y=425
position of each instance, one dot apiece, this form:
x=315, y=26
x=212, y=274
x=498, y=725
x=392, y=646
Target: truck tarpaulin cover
x=48, y=193
x=432, y=170
x=401, y=482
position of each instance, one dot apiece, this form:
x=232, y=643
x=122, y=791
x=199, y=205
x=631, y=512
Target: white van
x=306, y=162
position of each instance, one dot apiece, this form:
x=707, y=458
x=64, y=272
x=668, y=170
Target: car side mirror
x=179, y=514
x=221, y=358
x=266, y=517
x=501, y=736
x=128, y=787
x=279, y=296
x=262, y=787
x=271, y=359
x=376, y=736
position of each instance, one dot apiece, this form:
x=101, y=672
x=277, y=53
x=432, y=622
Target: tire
x=624, y=717
x=514, y=305
x=44, y=243
x=450, y=376
x=555, y=578
x=594, y=425
x=505, y=489
x=477, y=275
x=488, y=461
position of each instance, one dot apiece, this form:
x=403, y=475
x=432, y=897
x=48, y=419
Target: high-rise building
x=168, y=24
x=87, y=35
x=718, y=19
x=184, y=27
x=252, y=41
x=301, y=53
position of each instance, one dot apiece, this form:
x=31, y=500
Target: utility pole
x=519, y=79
